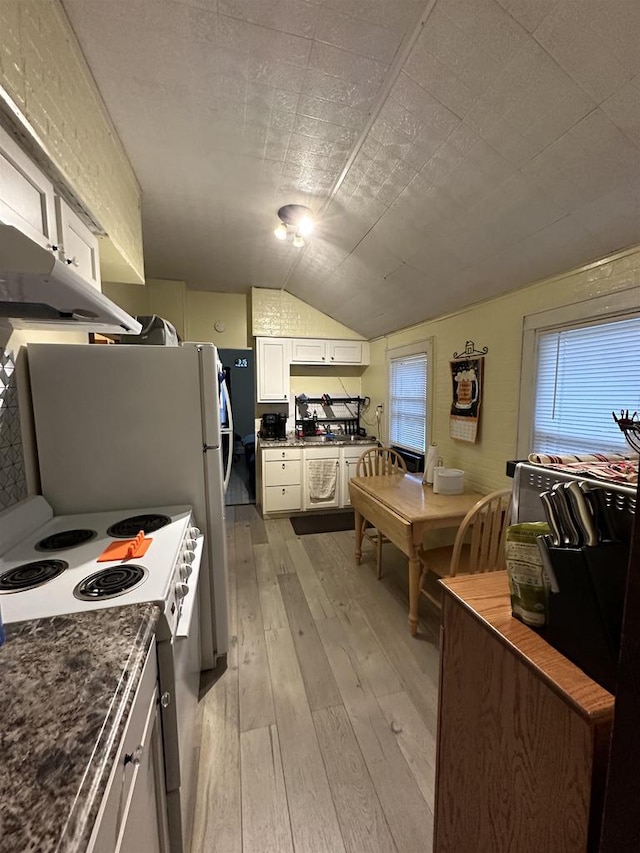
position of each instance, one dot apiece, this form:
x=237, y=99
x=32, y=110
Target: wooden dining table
x=402, y=508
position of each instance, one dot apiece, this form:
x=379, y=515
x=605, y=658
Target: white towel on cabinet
x=322, y=478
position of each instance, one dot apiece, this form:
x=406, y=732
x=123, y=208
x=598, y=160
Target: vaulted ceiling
x=452, y=150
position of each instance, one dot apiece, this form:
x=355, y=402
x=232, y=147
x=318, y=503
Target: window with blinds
x=583, y=374
x=408, y=402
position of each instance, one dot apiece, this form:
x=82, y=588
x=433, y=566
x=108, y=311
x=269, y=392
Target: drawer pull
x=284, y=465
x=284, y=491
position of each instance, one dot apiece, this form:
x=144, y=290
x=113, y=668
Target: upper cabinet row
x=29, y=202
x=274, y=357
x=311, y=351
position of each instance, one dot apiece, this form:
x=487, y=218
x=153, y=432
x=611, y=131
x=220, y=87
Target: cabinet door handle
x=165, y=700
x=134, y=757
x=284, y=465
x=331, y=358
x=284, y=491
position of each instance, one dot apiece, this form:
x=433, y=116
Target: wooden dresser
x=523, y=734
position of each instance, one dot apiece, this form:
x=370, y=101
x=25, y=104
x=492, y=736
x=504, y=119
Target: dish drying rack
x=328, y=414
x=630, y=427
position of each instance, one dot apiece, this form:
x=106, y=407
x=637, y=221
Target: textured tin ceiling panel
x=456, y=149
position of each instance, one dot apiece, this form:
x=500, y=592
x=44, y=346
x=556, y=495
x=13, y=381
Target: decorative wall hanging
x=467, y=370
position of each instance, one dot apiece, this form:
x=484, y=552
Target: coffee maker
x=273, y=426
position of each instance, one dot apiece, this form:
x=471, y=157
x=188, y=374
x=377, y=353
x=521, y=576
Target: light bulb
x=280, y=231
x=298, y=242
x=305, y=226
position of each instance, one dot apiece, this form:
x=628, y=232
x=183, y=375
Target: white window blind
x=583, y=374
x=408, y=402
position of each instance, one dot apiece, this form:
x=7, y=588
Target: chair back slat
x=380, y=461
x=484, y=528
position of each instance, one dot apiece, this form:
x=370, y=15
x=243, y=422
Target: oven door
x=179, y=671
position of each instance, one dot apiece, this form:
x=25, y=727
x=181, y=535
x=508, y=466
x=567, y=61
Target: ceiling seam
x=395, y=70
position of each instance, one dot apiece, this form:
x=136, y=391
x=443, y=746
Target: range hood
x=38, y=291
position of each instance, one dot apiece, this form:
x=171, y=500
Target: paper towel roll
x=430, y=463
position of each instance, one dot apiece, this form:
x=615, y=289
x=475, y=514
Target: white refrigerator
x=121, y=427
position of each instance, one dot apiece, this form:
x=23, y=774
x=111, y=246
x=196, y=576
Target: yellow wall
x=228, y=310
x=278, y=314
x=194, y=313
x=497, y=324
x=44, y=76
x=134, y=299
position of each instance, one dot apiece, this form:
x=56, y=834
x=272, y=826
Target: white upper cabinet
x=348, y=352
x=78, y=246
x=273, y=360
x=308, y=351
x=26, y=195
x=29, y=203
x=317, y=351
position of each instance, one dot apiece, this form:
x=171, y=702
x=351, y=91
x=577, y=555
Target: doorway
x=238, y=365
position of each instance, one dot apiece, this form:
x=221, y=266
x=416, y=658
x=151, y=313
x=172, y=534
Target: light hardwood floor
x=319, y=736
x=238, y=488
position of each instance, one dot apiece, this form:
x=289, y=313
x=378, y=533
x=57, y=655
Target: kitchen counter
x=67, y=686
x=318, y=441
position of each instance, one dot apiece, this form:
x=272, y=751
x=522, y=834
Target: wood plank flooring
x=319, y=735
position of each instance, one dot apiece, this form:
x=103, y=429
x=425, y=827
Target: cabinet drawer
x=282, y=498
x=354, y=453
x=322, y=453
x=283, y=473
x=281, y=453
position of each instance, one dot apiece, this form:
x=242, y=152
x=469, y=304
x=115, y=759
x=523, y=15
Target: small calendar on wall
x=466, y=379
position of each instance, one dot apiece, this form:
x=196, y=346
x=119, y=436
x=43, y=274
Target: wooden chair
x=378, y=461
x=479, y=545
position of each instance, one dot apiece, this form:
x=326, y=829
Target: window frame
x=621, y=305
x=424, y=347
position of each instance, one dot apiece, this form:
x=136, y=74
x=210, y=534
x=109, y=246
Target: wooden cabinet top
x=486, y=596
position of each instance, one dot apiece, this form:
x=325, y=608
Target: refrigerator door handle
x=224, y=391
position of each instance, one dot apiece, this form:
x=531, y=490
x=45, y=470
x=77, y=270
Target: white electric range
x=52, y=566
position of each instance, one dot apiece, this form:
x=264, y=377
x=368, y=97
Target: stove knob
x=190, y=543
x=188, y=556
x=182, y=589
x=185, y=571
x=193, y=531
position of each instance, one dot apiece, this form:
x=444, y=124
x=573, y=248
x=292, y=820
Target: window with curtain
x=583, y=374
x=408, y=402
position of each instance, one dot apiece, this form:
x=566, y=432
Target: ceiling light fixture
x=295, y=219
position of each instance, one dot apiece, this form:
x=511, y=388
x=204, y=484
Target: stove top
x=68, y=578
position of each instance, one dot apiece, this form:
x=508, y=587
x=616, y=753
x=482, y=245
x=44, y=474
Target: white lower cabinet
x=309, y=478
x=133, y=812
x=321, y=478
x=282, y=479
x=348, y=464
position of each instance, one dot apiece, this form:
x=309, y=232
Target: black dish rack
x=329, y=414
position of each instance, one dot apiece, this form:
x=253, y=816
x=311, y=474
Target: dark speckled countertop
x=67, y=684
x=318, y=440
